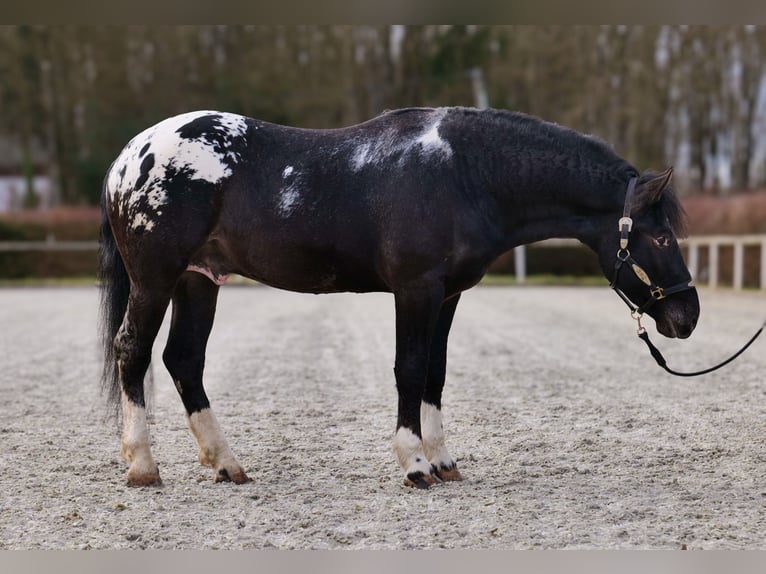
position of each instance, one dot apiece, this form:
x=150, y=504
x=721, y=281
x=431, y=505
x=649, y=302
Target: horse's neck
x=544, y=181
x=556, y=204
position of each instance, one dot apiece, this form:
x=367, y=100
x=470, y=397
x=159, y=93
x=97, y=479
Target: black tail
x=115, y=288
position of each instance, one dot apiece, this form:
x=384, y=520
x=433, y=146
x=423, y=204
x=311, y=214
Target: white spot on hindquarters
x=428, y=144
x=140, y=219
x=409, y=452
x=164, y=149
x=287, y=171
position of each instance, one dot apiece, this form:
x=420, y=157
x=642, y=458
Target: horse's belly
x=309, y=271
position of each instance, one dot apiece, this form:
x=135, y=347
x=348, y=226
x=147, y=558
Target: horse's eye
x=662, y=241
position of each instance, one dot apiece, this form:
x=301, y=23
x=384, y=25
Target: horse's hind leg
x=194, y=302
x=133, y=345
x=430, y=408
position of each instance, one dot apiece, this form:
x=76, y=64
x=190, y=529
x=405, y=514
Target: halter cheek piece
x=624, y=259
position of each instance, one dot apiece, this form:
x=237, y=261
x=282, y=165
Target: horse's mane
x=559, y=137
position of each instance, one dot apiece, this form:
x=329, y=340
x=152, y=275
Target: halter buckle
x=657, y=293
x=625, y=221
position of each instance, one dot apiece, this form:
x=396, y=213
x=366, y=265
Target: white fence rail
x=48, y=245
x=714, y=244
x=693, y=245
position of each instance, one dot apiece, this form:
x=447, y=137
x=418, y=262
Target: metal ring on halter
x=623, y=255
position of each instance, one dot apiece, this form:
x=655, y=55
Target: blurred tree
x=694, y=96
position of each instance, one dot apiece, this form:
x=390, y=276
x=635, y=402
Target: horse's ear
x=653, y=188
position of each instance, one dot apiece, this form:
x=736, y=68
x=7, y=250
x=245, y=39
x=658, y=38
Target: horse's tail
x=115, y=288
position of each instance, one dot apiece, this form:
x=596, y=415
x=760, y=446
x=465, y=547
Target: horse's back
x=301, y=209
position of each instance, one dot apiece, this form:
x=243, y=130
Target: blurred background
x=692, y=97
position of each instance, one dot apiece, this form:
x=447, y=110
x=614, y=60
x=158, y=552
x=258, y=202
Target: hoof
x=421, y=480
x=144, y=479
x=448, y=474
x=237, y=477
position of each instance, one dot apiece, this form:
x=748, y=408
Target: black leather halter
x=624, y=258
x=656, y=293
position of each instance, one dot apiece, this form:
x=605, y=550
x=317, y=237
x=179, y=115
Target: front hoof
x=237, y=477
x=420, y=480
x=144, y=478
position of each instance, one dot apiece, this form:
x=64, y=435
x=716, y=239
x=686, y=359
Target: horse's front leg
x=417, y=311
x=431, y=407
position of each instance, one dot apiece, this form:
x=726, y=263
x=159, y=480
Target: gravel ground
x=567, y=433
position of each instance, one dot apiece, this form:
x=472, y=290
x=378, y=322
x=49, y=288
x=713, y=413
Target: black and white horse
x=415, y=202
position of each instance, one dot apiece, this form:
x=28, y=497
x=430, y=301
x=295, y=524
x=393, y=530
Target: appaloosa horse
x=416, y=202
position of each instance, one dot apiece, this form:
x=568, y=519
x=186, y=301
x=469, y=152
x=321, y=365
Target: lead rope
x=644, y=335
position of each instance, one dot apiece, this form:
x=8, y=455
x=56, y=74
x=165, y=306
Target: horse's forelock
x=669, y=205
x=674, y=211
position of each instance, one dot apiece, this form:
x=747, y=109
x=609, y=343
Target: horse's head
x=641, y=257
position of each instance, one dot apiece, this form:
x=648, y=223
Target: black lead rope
x=663, y=363
x=656, y=293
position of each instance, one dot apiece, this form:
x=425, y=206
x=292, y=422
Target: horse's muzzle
x=676, y=316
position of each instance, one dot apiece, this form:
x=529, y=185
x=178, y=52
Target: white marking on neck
x=287, y=172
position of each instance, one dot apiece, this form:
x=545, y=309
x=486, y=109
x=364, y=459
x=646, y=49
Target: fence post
x=763, y=264
x=520, y=263
x=739, y=257
x=694, y=259
x=713, y=265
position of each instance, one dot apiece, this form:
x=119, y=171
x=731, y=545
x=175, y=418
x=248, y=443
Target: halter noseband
x=656, y=293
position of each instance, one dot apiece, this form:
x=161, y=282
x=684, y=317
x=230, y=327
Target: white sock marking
x=213, y=449
x=409, y=451
x=135, y=438
x=433, y=436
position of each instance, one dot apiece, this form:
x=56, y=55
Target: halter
x=656, y=293
x=624, y=258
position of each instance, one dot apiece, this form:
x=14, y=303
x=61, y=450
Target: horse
x=417, y=202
